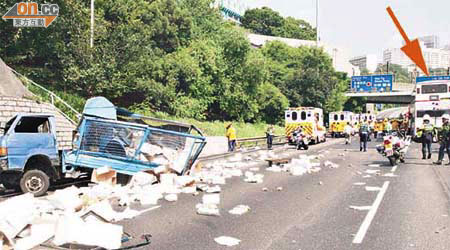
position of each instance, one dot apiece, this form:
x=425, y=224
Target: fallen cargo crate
x=129, y=148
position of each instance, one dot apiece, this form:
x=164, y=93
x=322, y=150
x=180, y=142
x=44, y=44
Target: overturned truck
x=106, y=136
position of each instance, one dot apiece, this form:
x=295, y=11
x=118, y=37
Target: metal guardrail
x=259, y=141
x=55, y=100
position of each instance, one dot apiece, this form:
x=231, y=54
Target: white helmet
x=446, y=116
x=426, y=118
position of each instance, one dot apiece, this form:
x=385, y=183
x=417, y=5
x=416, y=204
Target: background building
x=431, y=42
x=434, y=57
x=368, y=62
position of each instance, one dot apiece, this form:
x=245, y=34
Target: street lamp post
x=317, y=23
x=92, y=24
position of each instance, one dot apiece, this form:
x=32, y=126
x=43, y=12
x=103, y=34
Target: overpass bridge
x=402, y=93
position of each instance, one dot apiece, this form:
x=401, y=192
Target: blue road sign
x=373, y=83
x=421, y=79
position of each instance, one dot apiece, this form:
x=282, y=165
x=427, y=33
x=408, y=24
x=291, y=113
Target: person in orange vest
x=231, y=136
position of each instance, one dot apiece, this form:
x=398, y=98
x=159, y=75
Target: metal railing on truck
x=130, y=147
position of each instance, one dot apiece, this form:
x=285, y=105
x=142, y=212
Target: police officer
x=444, y=139
x=428, y=131
x=363, y=135
x=387, y=126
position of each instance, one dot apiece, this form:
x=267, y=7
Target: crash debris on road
x=239, y=210
x=227, y=241
x=85, y=216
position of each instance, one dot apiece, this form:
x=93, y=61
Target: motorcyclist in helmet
x=444, y=139
x=427, y=131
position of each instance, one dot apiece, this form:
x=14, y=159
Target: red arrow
x=412, y=48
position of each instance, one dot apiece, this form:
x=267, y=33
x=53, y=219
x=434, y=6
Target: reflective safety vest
x=426, y=130
x=388, y=126
x=444, y=132
x=364, y=128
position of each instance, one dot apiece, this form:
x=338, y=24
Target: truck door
x=31, y=135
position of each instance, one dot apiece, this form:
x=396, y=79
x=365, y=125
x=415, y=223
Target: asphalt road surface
x=405, y=207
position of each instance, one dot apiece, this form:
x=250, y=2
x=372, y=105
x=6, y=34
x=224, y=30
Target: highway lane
x=313, y=211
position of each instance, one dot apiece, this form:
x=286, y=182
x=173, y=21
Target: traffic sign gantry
x=372, y=83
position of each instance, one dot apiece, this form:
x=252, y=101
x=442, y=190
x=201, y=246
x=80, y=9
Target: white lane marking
x=394, y=168
x=390, y=175
x=359, y=183
x=370, y=215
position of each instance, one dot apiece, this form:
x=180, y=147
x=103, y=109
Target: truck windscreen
x=434, y=88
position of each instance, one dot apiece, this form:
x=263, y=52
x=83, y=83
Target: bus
x=432, y=98
x=338, y=120
x=309, y=118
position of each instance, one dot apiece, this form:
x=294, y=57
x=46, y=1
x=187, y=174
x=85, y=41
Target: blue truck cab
x=29, y=155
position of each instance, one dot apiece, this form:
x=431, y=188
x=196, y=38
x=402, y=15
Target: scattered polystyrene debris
x=143, y=178
x=211, y=199
x=274, y=168
x=254, y=169
x=366, y=176
x=315, y=164
x=279, y=188
x=374, y=165
x=315, y=169
x=218, y=180
x=361, y=208
x=368, y=188
x=214, y=189
x=371, y=171
x=207, y=209
x=341, y=154
x=320, y=183
x=227, y=241
x=265, y=189
x=189, y=190
x=390, y=175
x=171, y=197
x=72, y=229
x=359, y=183
x=239, y=210
x=330, y=164
x=250, y=177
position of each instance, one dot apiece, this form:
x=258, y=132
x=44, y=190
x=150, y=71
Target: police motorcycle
x=395, y=147
x=301, y=139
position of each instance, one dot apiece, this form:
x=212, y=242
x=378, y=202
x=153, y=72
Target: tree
x=263, y=21
x=268, y=22
x=400, y=73
x=175, y=56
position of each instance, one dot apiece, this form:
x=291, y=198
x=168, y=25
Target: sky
x=364, y=26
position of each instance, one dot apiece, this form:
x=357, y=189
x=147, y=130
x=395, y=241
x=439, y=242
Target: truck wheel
x=35, y=181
